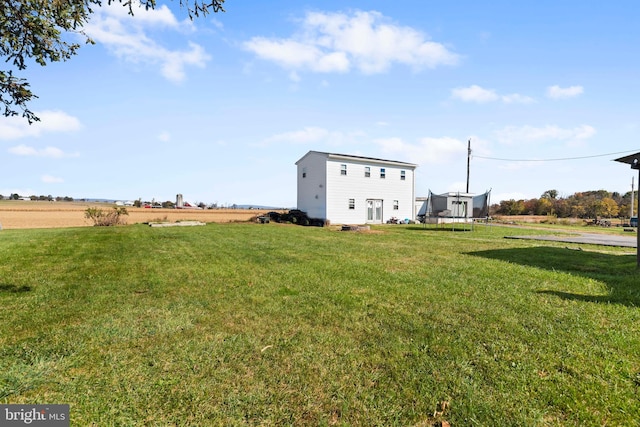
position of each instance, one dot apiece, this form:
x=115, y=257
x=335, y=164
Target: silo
x=179, y=201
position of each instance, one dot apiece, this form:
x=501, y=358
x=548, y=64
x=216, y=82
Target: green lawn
x=247, y=324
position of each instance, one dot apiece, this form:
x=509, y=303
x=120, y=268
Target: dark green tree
x=38, y=31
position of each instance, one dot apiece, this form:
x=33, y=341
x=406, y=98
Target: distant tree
x=512, y=207
x=39, y=30
x=562, y=208
x=545, y=206
x=168, y=204
x=609, y=208
x=137, y=203
x=530, y=206
x=549, y=194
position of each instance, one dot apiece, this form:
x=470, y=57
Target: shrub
x=104, y=218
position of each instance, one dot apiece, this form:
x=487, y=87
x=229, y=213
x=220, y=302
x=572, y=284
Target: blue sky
x=220, y=108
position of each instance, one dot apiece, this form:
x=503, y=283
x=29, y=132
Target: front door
x=374, y=211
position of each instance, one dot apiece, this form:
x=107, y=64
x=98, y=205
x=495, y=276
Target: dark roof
x=363, y=158
x=633, y=160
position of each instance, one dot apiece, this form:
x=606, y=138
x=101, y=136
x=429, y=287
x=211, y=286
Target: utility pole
x=468, y=163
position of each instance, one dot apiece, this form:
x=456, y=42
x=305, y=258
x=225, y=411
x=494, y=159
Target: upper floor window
x=352, y=203
x=367, y=171
x=343, y=169
x=402, y=175
x=304, y=172
x=383, y=173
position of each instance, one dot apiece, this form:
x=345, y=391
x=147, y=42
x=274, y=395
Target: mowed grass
x=246, y=324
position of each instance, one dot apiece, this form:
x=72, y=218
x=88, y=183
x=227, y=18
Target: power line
x=555, y=160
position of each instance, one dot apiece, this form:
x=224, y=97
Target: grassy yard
x=246, y=324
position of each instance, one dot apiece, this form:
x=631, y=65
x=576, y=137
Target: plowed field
x=40, y=214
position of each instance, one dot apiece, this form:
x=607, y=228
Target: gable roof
x=347, y=157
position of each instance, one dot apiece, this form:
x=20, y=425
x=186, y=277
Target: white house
x=347, y=189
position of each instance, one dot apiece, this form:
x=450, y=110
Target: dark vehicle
x=633, y=221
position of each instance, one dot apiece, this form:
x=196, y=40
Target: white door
x=374, y=211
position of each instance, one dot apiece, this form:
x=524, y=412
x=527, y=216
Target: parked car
x=633, y=221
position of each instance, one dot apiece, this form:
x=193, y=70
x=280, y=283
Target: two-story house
x=345, y=189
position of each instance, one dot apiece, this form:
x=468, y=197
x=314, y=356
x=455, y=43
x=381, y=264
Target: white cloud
x=557, y=92
x=475, y=93
x=48, y=179
x=339, y=42
x=127, y=37
x=527, y=134
x=52, y=152
x=50, y=121
x=480, y=95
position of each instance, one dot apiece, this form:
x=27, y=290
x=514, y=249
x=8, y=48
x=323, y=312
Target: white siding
x=312, y=189
x=325, y=192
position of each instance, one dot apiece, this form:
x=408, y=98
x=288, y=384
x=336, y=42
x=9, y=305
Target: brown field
x=16, y=214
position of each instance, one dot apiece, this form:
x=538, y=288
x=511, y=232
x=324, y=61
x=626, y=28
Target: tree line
x=586, y=204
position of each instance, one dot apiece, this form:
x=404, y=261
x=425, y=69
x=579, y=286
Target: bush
x=106, y=218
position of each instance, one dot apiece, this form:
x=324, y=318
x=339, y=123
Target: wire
x=554, y=160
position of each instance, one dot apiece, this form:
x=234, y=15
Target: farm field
x=270, y=324
x=42, y=214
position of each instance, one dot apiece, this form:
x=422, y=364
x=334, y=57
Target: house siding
x=333, y=202
x=312, y=189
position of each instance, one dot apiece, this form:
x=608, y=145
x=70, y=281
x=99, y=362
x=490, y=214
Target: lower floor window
x=352, y=203
x=395, y=205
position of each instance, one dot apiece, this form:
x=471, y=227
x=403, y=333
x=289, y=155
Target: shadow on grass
x=13, y=289
x=618, y=272
x=446, y=227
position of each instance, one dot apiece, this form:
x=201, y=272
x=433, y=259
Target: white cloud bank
x=339, y=42
x=480, y=95
x=557, y=92
x=50, y=121
x=127, y=37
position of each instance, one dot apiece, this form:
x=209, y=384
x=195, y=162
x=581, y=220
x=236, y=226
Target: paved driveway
x=630, y=241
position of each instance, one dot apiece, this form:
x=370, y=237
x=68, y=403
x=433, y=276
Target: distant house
x=346, y=189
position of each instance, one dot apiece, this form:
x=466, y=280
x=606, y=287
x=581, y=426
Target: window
x=383, y=173
x=343, y=169
x=352, y=203
x=395, y=205
x=304, y=172
x=367, y=171
x=402, y=175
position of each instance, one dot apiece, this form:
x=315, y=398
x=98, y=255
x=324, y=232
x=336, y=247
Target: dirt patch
x=40, y=214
